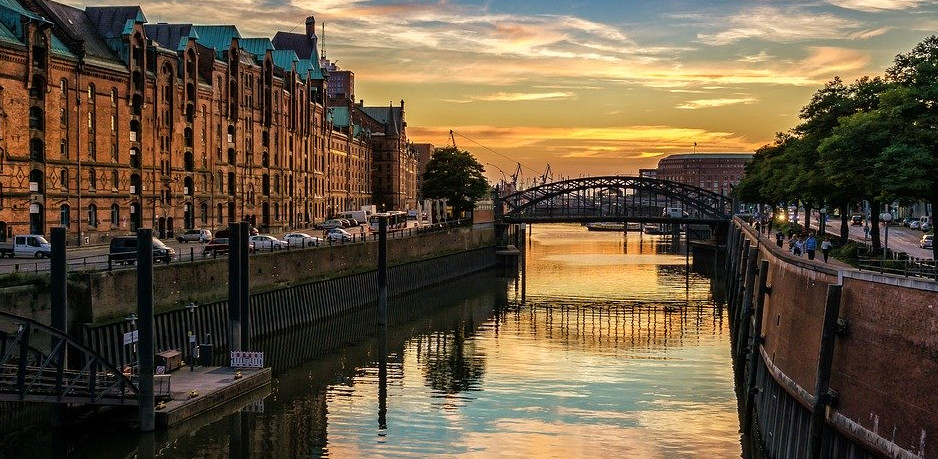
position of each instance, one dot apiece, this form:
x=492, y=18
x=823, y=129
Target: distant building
x=424, y=152
x=716, y=172
x=648, y=173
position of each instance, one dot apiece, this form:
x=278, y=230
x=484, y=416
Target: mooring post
x=382, y=271
x=524, y=263
x=234, y=287
x=244, y=284
x=825, y=359
x=145, y=398
x=754, y=354
x=59, y=300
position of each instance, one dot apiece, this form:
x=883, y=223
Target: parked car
x=339, y=235
x=217, y=246
x=915, y=224
x=123, y=249
x=224, y=232
x=927, y=241
x=30, y=245
x=265, y=242
x=302, y=240
x=925, y=226
x=195, y=235
x=908, y=221
x=332, y=223
x=856, y=220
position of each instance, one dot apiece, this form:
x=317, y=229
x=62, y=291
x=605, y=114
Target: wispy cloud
x=879, y=5
x=520, y=96
x=783, y=25
x=711, y=103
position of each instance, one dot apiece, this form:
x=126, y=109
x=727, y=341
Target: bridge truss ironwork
x=614, y=199
x=41, y=364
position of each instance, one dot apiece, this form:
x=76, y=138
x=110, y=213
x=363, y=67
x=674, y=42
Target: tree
x=456, y=176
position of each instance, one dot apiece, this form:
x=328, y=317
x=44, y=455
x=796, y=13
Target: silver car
x=266, y=242
x=302, y=240
x=195, y=235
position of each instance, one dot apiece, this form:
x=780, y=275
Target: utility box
x=205, y=354
x=170, y=360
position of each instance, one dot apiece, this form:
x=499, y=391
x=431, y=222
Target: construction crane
x=452, y=139
x=547, y=175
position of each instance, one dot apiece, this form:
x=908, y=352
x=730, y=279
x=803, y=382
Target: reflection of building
x=716, y=172
x=108, y=123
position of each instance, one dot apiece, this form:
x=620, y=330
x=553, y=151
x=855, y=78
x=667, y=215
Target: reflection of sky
x=562, y=378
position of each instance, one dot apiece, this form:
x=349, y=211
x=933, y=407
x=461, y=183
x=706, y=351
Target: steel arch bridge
x=613, y=199
x=39, y=363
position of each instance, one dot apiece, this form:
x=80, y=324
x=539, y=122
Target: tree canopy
x=875, y=140
x=456, y=176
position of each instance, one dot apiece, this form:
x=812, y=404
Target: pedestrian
x=779, y=239
x=810, y=246
x=826, y=247
x=797, y=246
x=758, y=226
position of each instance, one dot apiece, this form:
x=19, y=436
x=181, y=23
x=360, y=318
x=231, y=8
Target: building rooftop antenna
x=322, y=42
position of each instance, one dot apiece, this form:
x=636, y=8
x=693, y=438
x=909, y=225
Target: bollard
x=191, y=254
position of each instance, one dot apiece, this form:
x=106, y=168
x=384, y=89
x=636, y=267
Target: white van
x=673, y=212
x=924, y=223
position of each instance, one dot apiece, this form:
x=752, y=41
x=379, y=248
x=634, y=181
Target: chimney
x=311, y=27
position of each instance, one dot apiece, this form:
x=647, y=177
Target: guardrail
x=908, y=267
x=194, y=254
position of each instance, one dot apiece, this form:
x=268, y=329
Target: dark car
x=123, y=249
x=856, y=220
x=217, y=246
x=224, y=232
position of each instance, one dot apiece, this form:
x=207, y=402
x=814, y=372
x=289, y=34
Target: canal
x=610, y=348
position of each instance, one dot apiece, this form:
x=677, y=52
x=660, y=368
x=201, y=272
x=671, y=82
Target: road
x=95, y=257
x=901, y=239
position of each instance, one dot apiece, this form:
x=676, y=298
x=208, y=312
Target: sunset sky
x=590, y=86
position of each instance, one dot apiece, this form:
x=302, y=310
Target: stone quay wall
x=873, y=359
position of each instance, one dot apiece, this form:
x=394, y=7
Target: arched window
x=92, y=180
x=65, y=215
x=115, y=181
x=115, y=215
x=63, y=179
x=92, y=215
x=36, y=149
x=35, y=181
x=203, y=213
x=36, y=118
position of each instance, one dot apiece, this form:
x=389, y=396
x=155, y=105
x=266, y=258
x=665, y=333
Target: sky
x=589, y=87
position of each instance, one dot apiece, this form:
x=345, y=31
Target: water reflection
x=616, y=351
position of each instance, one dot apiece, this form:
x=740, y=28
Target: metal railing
x=907, y=267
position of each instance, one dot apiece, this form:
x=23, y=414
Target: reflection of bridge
x=613, y=199
x=41, y=364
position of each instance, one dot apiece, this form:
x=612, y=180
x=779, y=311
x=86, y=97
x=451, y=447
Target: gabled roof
x=115, y=21
x=339, y=116
x=217, y=36
x=297, y=42
x=7, y=36
x=284, y=58
x=171, y=36
x=389, y=116
x=74, y=26
x=256, y=46
x=305, y=51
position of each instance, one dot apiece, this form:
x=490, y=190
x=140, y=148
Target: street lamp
x=193, y=346
x=822, y=228
x=886, y=217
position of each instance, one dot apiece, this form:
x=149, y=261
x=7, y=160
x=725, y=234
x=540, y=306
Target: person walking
x=797, y=246
x=810, y=246
x=826, y=247
x=779, y=239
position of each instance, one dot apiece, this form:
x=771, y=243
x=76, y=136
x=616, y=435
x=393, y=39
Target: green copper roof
x=7, y=36
x=285, y=59
x=339, y=116
x=256, y=46
x=59, y=48
x=217, y=36
x=11, y=15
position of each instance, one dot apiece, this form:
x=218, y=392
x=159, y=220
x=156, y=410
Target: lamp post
x=886, y=217
x=193, y=345
x=822, y=227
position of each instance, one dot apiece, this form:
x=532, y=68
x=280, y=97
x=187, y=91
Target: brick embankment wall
x=884, y=358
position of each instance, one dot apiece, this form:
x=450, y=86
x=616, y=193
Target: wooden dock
x=214, y=387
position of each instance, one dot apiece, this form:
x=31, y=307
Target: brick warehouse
x=108, y=123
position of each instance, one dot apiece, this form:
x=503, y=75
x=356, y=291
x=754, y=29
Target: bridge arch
x=612, y=198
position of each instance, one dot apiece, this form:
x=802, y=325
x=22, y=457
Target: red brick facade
x=103, y=135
